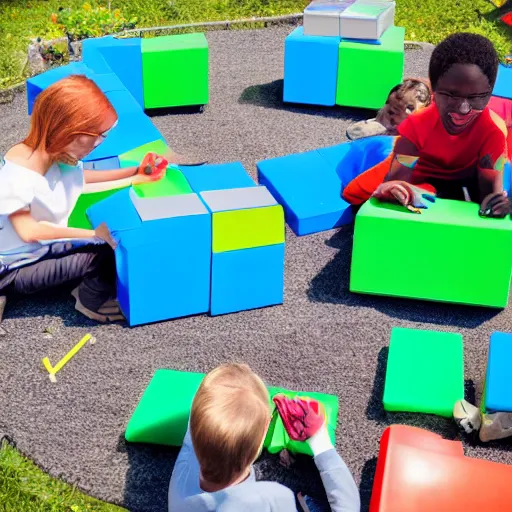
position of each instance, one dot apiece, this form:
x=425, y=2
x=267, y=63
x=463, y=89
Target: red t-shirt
x=441, y=156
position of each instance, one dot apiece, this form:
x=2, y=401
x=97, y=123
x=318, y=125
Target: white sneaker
x=467, y=416
x=496, y=426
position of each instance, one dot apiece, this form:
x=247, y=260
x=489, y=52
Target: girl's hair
x=72, y=106
x=463, y=48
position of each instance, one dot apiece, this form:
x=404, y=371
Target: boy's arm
x=493, y=200
x=397, y=167
x=339, y=485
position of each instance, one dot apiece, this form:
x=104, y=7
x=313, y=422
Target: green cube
x=425, y=372
x=447, y=254
x=161, y=416
x=78, y=217
x=172, y=184
x=135, y=156
x=243, y=218
x=175, y=71
x=367, y=72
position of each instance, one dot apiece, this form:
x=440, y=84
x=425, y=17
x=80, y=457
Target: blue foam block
x=309, y=189
x=498, y=389
x=217, y=177
x=503, y=85
x=39, y=83
x=310, y=68
x=132, y=131
x=91, y=54
x=106, y=164
x=164, y=269
x=247, y=279
x=123, y=102
x=363, y=154
x=117, y=211
x=108, y=82
x=507, y=178
x=124, y=57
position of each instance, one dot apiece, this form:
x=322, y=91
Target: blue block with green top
x=446, y=254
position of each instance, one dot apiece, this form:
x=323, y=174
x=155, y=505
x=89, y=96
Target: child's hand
x=152, y=168
x=302, y=417
x=495, y=205
x=403, y=193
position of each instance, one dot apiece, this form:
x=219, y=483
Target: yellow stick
x=52, y=370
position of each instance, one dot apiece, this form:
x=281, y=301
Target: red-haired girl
x=40, y=182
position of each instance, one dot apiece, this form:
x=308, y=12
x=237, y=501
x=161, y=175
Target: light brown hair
x=72, y=106
x=228, y=422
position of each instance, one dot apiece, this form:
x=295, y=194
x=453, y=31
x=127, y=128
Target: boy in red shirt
x=456, y=147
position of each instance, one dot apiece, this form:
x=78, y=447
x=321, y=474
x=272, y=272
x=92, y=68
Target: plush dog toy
x=411, y=95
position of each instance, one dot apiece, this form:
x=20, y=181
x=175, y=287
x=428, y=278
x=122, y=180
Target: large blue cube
x=163, y=257
x=247, y=279
x=310, y=68
x=498, y=388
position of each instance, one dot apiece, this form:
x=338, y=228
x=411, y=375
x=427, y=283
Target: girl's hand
x=495, y=205
x=103, y=233
x=152, y=168
x=403, y=193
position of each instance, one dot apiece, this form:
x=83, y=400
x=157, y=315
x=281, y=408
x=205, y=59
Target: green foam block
x=175, y=70
x=244, y=229
x=425, y=372
x=78, y=217
x=161, y=417
x=367, y=72
x=136, y=155
x=172, y=184
x=448, y=253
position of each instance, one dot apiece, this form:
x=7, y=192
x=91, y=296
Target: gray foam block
x=154, y=208
x=238, y=199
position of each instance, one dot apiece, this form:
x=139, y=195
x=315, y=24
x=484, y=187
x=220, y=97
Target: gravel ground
x=323, y=338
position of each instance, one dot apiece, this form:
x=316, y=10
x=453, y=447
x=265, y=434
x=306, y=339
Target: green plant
x=91, y=21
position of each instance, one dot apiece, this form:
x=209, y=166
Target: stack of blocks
x=425, y=372
x=201, y=239
x=443, y=255
x=498, y=387
x=348, y=53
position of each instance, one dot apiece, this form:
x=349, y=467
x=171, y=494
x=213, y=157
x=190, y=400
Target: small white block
x=367, y=19
x=322, y=18
x=154, y=208
x=238, y=199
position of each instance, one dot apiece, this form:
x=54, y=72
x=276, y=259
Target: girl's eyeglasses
x=103, y=135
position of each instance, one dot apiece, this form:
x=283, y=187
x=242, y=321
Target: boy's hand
x=403, y=193
x=495, y=205
x=152, y=168
x=302, y=417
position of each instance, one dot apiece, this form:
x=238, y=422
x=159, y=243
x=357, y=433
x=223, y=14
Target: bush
x=91, y=21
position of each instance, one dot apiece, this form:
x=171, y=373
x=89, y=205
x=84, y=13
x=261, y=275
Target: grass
x=424, y=20
x=24, y=487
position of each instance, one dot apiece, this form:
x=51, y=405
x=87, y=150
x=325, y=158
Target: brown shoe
x=109, y=312
x=496, y=426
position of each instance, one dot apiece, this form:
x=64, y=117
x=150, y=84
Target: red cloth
x=441, y=155
x=302, y=417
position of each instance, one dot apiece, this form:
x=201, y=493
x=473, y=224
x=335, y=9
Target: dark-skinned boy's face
x=460, y=95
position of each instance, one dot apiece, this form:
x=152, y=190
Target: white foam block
x=154, y=208
x=322, y=17
x=238, y=199
x=367, y=19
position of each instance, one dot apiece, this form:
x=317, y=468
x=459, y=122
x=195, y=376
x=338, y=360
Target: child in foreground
x=456, y=147
x=228, y=422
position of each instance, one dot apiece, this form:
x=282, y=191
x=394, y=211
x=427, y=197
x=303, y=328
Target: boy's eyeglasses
x=478, y=102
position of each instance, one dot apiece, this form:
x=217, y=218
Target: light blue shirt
x=252, y=496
